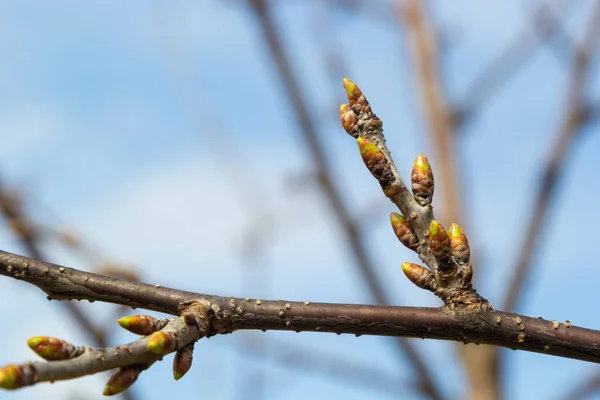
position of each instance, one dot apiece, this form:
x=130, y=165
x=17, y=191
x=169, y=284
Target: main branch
x=228, y=314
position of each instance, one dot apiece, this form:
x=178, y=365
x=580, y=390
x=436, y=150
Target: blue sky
x=161, y=134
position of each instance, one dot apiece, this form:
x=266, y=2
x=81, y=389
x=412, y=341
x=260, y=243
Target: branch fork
x=447, y=255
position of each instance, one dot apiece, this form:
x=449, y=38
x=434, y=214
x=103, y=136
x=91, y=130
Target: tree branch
x=207, y=315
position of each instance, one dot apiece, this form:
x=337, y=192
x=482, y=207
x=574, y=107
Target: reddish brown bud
x=419, y=276
x=356, y=98
x=422, y=181
x=353, y=92
x=378, y=165
x=53, y=349
x=161, y=343
x=349, y=120
x=404, y=232
x=141, y=324
x=16, y=376
x=439, y=245
x=183, y=361
x=122, y=380
x=460, y=245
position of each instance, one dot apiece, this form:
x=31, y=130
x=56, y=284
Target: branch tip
x=352, y=90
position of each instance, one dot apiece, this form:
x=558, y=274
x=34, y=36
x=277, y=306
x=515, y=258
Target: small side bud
x=422, y=181
x=349, y=120
x=53, y=349
x=460, y=245
x=378, y=165
x=141, y=324
x=439, y=245
x=183, y=361
x=420, y=276
x=161, y=343
x=121, y=380
x=404, y=232
x=12, y=377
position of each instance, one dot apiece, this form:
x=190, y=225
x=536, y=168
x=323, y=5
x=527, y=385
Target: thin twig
x=380, y=11
x=307, y=359
x=585, y=389
x=350, y=230
x=575, y=117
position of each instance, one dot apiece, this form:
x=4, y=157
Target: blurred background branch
x=351, y=232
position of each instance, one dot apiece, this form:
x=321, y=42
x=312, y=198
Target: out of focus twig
x=543, y=27
x=330, y=365
x=576, y=114
x=351, y=232
x=585, y=389
x=379, y=10
x=28, y=234
x=480, y=362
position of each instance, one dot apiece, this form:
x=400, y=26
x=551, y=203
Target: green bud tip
x=121, y=380
x=49, y=348
x=158, y=341
x=111, y=390
x=422, y=162
x=344, y=108
x=434, y=227
x=125, y=322
x=35, y=341
x=365, y=145
x=9, y=377
x=396, y=218
x=349, y=86
x=407, y=267
x=455, y=232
